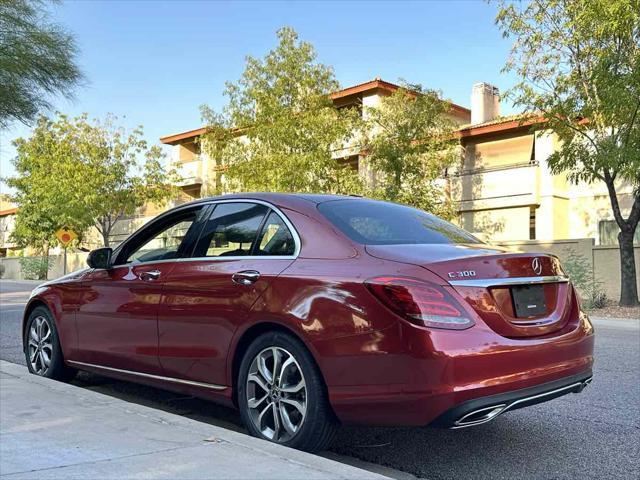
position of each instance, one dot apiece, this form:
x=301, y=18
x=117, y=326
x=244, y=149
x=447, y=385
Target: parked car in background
x=308, y=311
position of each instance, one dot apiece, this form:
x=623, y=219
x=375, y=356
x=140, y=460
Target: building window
x=532, y=223
x=608, y=233
x=350, y=162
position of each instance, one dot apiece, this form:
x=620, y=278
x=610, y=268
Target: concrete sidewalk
x=50, y=429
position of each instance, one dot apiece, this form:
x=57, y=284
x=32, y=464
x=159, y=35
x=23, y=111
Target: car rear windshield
x=371, y=222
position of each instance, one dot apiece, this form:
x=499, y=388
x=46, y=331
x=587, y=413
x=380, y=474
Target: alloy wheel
x=40, y=345
x=276, y=394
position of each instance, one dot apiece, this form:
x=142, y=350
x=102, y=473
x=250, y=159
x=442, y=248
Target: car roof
x=281, y=199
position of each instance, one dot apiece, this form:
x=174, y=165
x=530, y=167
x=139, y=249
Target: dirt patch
x=615, y=311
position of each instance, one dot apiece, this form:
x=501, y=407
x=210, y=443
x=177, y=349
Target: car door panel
x=241, y=250
x=200, y=310
x=117, y=317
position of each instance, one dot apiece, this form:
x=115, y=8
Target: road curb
x=135, y=439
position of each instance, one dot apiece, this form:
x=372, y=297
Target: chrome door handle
x=245, y=277
x=150, y=275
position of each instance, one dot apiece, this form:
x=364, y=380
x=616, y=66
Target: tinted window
x=231, y=230
x=163, y=240
x=275, y=238
x=380, y=223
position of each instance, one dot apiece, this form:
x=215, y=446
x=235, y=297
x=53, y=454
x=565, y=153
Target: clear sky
x=156, y=62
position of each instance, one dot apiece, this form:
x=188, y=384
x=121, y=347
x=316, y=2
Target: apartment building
x=7, y=221
x=503, y=187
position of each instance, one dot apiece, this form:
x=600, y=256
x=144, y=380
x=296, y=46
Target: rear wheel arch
x=249, y=336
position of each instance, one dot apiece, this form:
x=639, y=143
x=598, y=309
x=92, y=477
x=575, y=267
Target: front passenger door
x=118, y=311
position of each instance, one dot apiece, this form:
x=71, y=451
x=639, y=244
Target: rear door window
x=275, y=238
x=231, y=230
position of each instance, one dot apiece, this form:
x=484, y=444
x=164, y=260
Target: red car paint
x=379, y=368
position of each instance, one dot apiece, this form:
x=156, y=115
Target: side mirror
x=100, y=258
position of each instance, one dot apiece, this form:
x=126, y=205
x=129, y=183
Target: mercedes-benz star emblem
x=536, y=265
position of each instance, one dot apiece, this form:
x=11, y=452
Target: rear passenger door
x=243, y=246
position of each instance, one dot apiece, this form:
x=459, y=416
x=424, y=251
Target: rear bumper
x=484, y=409
x=437, y=377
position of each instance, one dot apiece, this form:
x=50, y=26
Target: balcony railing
x=190, y=173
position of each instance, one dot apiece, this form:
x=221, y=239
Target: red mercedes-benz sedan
x=307, y=311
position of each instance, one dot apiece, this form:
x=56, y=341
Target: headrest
x=237, y=234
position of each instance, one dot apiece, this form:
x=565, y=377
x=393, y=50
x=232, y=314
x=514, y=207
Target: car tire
x=283, y=399
x=42, y=345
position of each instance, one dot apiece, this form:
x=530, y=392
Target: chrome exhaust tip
x=584, y=385
x=480, y=416
x=486, y=414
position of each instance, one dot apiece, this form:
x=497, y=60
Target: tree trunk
x=104, y=227
x=43, y=274
x=45, y=266
x=628, y=277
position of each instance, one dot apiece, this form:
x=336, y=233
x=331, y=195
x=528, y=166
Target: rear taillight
x=421, y=303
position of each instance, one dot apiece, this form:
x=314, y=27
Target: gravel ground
x=615, y=311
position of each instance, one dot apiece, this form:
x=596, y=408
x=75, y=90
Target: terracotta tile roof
x=364, y=87
x=495, y=121
x=378, y=83
x=375, y=84
x=500, y=124
x=8, y=211
x=173, y=139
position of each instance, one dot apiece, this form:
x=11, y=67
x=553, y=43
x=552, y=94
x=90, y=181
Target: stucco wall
x=497, y=225
x=75, y=261
x=606, y=261
x=603, y=260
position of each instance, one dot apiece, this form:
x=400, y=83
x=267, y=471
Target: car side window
x=231, y=231
x=164, y=240
x=275, y=238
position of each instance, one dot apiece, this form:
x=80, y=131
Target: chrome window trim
x=211, y=386
x=150, y=262
x=239, y=257
x=283, y=217
x=502, y=282
x=292, y=229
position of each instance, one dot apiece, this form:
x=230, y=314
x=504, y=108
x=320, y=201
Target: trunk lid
x=515, y=294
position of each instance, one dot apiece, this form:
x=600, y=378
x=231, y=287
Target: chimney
x=485, y=103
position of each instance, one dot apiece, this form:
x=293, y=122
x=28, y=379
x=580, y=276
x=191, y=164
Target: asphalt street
x=595, y=434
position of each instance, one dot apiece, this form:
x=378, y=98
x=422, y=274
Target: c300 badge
x=462, y=274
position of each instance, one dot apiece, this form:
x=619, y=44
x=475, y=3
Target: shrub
x=2, y=270
x=581, y=275
x=35, y=268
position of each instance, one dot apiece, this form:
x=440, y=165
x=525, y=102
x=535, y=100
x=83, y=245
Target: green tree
x=82, y=174
x=37, y=61
x=409, y=145
x=579, y=65
x=279, y=130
